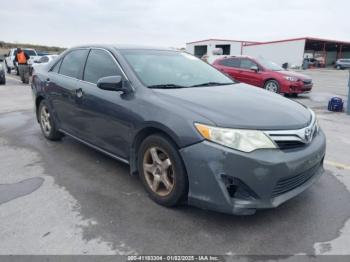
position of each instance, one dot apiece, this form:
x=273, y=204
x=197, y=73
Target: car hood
x=295, y=74
x=239, y=106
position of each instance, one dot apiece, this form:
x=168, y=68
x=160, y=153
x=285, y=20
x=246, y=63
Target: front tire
x=272, y=86
x=338, y=67
x=47, y=124
x=162, y=171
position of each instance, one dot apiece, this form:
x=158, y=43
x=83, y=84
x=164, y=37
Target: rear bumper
x=230, y=181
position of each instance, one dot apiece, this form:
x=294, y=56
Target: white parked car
x=45, y=59
x=10, y=57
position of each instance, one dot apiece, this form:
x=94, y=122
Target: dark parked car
x=2, y=73
x=342, y=63
x=265, y=74
x=190, y=132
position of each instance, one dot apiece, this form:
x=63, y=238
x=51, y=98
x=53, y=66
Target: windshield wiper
x=166, y=86
x=212, y=84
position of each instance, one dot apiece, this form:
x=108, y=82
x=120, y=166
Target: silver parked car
x=342, y=63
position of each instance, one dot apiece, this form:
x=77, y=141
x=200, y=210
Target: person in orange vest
x=22, y=60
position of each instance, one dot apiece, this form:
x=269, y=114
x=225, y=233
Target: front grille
x=287, y=184
x=284, y=145
x=291, y=139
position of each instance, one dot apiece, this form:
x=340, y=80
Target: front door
x=107, y=114
x=248, y=75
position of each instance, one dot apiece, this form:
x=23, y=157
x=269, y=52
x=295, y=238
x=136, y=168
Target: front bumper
x=298, y=87
x=235, y=182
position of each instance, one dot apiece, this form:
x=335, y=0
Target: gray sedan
x=190, y=132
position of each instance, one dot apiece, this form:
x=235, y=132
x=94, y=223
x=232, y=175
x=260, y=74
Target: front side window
x=99, y=64
x=270, y=65
x=170, y=69
x=247, y=63
x=56, y=67
x=73, y=62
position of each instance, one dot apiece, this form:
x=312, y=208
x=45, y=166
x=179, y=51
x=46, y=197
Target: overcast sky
x=170, y=22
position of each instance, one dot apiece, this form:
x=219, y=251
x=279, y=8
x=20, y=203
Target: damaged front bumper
x=230, y=181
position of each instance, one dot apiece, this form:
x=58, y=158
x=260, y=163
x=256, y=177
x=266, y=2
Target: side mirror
x=254, y=68
x=113, y=83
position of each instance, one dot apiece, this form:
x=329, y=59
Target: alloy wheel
x=272, y=87
x=45, y=120
x=158, y=171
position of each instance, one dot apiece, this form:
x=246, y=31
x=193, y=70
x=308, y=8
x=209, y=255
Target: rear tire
x=272, y=86
x=8, y=69
x=162, y=171
x=3, y=82
x=47, y=124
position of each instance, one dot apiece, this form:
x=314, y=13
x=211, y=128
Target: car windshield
x=171, y=69
x=29, y=52
x=269, y=65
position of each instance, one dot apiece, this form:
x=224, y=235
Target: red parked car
x=265, y=74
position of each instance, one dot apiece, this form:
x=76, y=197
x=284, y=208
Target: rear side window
x=247, y=63
x=230, y=62
x=73, y=62
x=100, y=64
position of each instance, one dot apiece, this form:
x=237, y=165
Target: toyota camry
x=190, y=132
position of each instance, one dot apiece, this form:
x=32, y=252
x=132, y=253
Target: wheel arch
x=38, y=100
x=269, y=79
x=144, y=132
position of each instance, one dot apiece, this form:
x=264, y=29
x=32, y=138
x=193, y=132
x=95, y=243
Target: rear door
x=229, y=66
x=61, y=89
x=248, y=75
x=107, y=114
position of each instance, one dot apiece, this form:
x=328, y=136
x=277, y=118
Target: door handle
x=79, y=92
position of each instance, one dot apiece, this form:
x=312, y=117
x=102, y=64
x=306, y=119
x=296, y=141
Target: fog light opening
x=237, y=189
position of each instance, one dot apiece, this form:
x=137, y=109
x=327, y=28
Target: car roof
x=238, y=56
x=126, y=47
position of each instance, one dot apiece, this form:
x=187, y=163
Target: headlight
x=291, y=78
x=1, y=67
x=240, y=139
